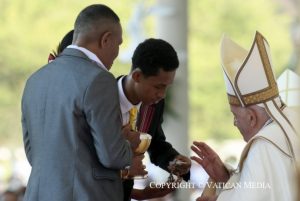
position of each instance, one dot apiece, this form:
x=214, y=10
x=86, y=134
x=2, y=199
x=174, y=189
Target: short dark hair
x=65, y=42
x=90, y=16
x=154, y=54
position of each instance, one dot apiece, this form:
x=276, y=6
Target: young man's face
x=152, y=89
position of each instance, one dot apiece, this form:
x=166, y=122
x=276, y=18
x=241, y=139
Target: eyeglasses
x=234, y=121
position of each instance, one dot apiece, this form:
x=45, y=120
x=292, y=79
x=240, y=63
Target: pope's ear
x=104, y=39
x=136, y=75
x=252, y=115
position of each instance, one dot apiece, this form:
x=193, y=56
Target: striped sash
x=145, y=118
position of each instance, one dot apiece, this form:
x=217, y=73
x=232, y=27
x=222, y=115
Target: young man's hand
x=181, y=165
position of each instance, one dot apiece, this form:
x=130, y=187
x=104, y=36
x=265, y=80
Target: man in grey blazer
x=71, y=117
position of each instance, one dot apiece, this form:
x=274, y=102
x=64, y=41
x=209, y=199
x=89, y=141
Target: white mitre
x=289, y=88
x=248, y=74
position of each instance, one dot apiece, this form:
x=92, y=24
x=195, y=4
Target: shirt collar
x=90, y=55
x=125, y=104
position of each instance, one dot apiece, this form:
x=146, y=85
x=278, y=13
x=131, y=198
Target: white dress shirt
x=125, y=104
x=90, y=55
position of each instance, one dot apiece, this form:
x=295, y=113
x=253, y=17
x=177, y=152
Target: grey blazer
x=72, y=132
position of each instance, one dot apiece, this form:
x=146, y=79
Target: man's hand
x=180, y=165
x=214, y=198
x=132, y=136
x=210, y=161
x=137, y=167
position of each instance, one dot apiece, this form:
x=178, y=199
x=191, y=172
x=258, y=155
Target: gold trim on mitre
x=248, y=75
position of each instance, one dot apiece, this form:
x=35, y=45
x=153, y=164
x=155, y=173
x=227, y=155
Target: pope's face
x=242, y=121
x=152, y=89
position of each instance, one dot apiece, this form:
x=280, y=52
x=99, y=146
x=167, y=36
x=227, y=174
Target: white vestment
x=267, y=169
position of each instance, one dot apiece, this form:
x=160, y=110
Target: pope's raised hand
x=210, y=161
